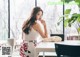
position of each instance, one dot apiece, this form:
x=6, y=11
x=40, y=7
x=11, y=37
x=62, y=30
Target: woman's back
x=33, y=34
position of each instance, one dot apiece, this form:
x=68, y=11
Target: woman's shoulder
x=36, y=24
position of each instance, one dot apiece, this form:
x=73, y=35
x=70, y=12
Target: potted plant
x=70, y=19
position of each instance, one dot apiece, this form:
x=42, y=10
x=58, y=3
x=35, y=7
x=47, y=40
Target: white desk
x=44, y=47
x=50, y=46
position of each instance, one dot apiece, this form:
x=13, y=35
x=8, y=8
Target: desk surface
x=52, y=44
x=46, y=45
x=70, y=42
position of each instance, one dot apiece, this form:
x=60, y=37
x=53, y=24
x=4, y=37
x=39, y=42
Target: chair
x=12, y=42
x=63, y=50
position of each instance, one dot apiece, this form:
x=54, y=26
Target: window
x=3, y=19
x=52, y=12
x=72, y=31
x=20, y=11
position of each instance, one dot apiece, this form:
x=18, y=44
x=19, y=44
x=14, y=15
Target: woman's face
x=39, y=15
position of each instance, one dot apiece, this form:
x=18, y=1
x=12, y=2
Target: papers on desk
x=52, y=39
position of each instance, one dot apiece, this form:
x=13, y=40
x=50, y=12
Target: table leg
x=36, y=54
x=43, y=54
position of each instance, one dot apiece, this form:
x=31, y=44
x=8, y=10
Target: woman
x=34, y=31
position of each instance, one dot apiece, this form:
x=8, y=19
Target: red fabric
x=23, y=48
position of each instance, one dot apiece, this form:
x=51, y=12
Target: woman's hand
x=43, y=22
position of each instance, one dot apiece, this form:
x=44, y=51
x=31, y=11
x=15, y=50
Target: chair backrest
x=69, y=50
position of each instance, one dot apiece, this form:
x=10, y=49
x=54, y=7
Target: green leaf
x=78, y=2
x=78, y=15
x=61, y=18
x=67, y=11
x=66, y=22
x=74, y=17
x=66, y=1
x=78, y=19
x=78, y=29
x=69, y=24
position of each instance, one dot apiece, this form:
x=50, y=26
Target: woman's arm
x=38, y=28
x=45, y=27
x=46, y=33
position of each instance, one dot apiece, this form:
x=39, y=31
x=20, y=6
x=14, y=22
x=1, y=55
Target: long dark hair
x=27, y=26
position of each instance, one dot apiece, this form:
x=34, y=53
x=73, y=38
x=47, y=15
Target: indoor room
x=40, y=28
